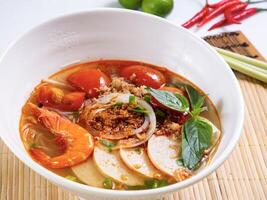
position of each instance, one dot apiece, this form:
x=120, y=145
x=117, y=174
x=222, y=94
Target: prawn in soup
x=121, y=125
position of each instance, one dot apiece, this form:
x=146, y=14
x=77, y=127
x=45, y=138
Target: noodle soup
x=121, y=125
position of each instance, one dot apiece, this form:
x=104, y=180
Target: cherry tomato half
x=89, y=81
x=55, y=98
x=72, y=101
x=142, y=75
x=178, y=117
x=174, y=90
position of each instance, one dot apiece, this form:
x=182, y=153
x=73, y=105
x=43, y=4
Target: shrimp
x=78, y=142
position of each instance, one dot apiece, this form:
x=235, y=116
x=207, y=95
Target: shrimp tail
x=40, y=156
x=46, y=160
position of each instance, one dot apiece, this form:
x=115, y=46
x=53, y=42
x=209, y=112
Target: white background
x=17, y=16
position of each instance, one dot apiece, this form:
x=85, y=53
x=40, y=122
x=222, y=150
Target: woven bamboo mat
x=242, y=176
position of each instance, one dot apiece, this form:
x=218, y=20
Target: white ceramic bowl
x=115, y=34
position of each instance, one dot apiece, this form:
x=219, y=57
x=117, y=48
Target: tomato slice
x=142, y=75
x=154, y=101
x=48, y=94
x=178, y=117
x=53, y=97
x=72, y=101
x=89, y=81
x=174, y=90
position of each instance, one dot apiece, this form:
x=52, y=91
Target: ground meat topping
x=118, y=84
x=112, y=122
x=168, y=127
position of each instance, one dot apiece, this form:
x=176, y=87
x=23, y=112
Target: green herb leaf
x=33, y=145
x=170, y=100
x=196, y=100
x=147, y=98
x=180, y=162
x=139, y=109
x=132, y=100
x=117, y=105
x=136, y=187
x=107, y=144
x=197, y=111
x=150, y=184
x=196, y=137
x=154, y=183
x=138, y=150
x=71, y=178
x=159, y=113
x=108, y=183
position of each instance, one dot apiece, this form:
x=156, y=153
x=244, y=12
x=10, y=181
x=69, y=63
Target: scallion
x=139, y=109
x=132, y=99
x=108, y=183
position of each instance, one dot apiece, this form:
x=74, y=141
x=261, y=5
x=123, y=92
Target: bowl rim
x=73, y=186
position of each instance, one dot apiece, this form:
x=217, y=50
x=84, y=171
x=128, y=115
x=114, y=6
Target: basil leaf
x=195, y=112
x=170, y=100
x=184, y=101
x=196, y=99
x=196, y=137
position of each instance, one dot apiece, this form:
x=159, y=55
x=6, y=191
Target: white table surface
x=17, y=16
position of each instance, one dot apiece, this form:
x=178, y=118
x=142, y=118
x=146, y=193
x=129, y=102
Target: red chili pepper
x=217, y=11
x=197, y=17
x=240, y=16
x=228, y=13
x=219, y=4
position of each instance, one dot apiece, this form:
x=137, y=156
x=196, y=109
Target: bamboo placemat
x=242, y=176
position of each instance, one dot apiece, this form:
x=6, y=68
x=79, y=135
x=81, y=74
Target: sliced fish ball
x=111, y=165
x=88, y=173
x=163, y=152
x=137, y=159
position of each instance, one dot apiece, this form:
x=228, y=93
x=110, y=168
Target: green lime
x=157, y=7
x=131, y=4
